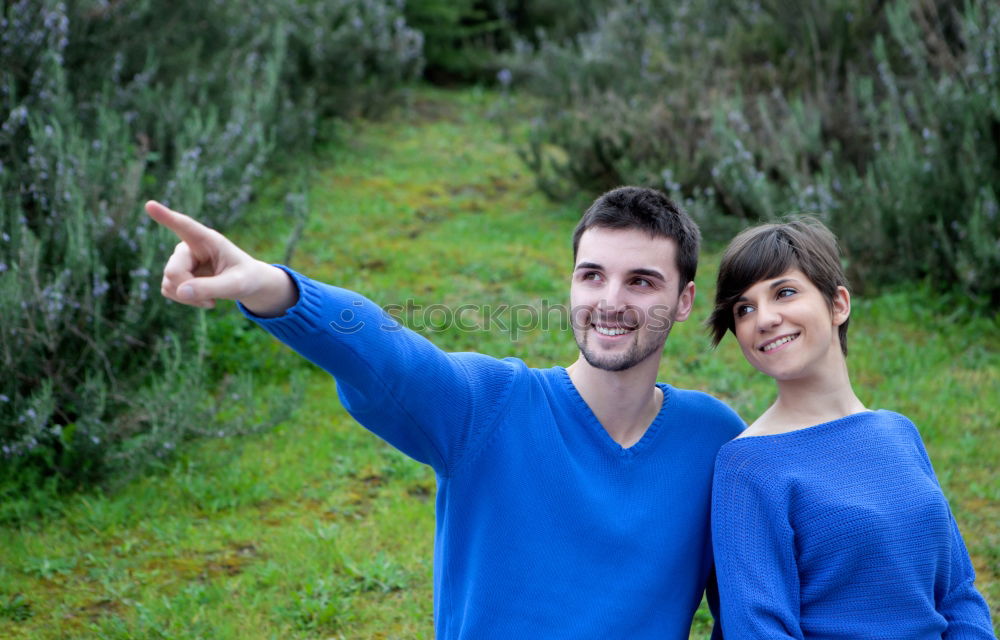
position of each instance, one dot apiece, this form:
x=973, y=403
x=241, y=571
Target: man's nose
x=614, y=298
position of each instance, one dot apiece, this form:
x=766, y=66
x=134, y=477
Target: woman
x=827, y=519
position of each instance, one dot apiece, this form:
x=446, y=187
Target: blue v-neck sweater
x=546, y=527
x=840, y=532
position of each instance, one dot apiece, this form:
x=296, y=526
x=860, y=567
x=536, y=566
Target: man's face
x=625, y=296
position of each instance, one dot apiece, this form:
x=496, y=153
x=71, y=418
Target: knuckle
x=174, y=271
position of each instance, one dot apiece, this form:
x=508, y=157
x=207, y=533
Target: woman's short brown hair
x=767, y=251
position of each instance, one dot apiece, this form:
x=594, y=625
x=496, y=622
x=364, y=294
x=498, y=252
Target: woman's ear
x=841, y=306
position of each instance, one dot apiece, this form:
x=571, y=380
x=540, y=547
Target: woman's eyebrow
x=776, y=283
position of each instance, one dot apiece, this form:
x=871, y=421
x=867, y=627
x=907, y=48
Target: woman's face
x=787, y=329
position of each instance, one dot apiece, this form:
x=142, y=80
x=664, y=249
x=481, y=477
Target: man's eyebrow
x=639, y=271
x=648, y=272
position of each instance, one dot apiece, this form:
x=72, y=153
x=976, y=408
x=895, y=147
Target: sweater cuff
x=301, y=318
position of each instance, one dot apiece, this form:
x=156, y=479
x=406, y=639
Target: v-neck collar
x=602, y=434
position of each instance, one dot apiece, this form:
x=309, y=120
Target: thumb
x=205, y=291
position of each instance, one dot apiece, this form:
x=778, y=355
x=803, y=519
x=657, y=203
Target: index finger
x=186, y=227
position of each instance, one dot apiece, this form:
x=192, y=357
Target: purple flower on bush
x=505, y=77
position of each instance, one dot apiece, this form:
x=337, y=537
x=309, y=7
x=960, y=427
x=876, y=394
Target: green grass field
x=319, y=530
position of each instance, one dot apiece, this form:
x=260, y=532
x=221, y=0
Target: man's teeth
x=777, y=343
x=608, y=331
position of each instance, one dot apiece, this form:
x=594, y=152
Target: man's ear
x=841, y=306
x=685, y=302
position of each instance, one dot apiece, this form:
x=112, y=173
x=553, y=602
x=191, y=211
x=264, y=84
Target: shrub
x=101, y=105
x=880, y=117
x=463, y=38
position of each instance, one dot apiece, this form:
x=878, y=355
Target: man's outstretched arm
x=434, y=406
x=206, y=266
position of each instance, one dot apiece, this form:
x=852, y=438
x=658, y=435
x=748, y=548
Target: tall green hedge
x=881, y=118
x=103, y=105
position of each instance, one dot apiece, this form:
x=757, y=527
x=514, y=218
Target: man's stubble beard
x=634, y=355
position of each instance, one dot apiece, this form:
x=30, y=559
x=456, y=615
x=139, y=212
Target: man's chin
x=611, y=362
x=616, y=362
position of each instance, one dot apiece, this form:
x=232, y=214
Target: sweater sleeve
x=432, y=405
x=754, y=547
x=958, y=600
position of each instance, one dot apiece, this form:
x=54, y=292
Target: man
x=571, y=503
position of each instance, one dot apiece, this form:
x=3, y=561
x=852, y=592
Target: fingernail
x=186, y=292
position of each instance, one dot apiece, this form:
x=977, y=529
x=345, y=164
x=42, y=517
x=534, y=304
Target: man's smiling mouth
x=611, y=331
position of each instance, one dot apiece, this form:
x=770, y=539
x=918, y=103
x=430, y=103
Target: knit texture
x=840, y=531
x=546, y=527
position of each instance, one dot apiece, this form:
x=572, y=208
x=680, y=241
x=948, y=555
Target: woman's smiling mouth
x=777, y=342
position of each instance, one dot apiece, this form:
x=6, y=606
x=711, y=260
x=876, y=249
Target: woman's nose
x=768, y=317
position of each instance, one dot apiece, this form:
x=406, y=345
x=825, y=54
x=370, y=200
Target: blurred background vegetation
x=883, y=118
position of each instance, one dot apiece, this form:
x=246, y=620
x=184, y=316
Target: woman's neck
x=806, y=402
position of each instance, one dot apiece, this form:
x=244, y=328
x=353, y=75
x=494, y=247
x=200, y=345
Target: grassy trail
x=317, y=529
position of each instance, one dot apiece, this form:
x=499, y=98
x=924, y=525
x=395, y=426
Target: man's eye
x=642, y=282
x=592, y=275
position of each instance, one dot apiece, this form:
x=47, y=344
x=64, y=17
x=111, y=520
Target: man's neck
x=625, y=402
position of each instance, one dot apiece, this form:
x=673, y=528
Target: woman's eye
x=742, y=309
x=785, y=292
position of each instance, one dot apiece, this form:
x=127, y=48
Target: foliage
x=103, y=104
x=881, y=117
x=463, y=39
x=317, y=529
x=460, y=37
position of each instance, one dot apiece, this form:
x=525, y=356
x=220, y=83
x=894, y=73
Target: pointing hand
x=207, y=266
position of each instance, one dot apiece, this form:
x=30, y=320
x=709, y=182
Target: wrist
x=274, y=292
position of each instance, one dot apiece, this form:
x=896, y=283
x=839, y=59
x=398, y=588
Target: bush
x=102, y=104
x=881, y=118
x=463, y=39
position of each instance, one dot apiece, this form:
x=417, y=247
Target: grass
x=318, y=529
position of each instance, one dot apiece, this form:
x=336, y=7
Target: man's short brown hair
x=769, y=250
x=646, y=210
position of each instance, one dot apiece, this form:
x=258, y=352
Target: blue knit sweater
x=840, y=531
x=546, y=527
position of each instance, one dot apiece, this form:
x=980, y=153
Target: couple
x=579, y=502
